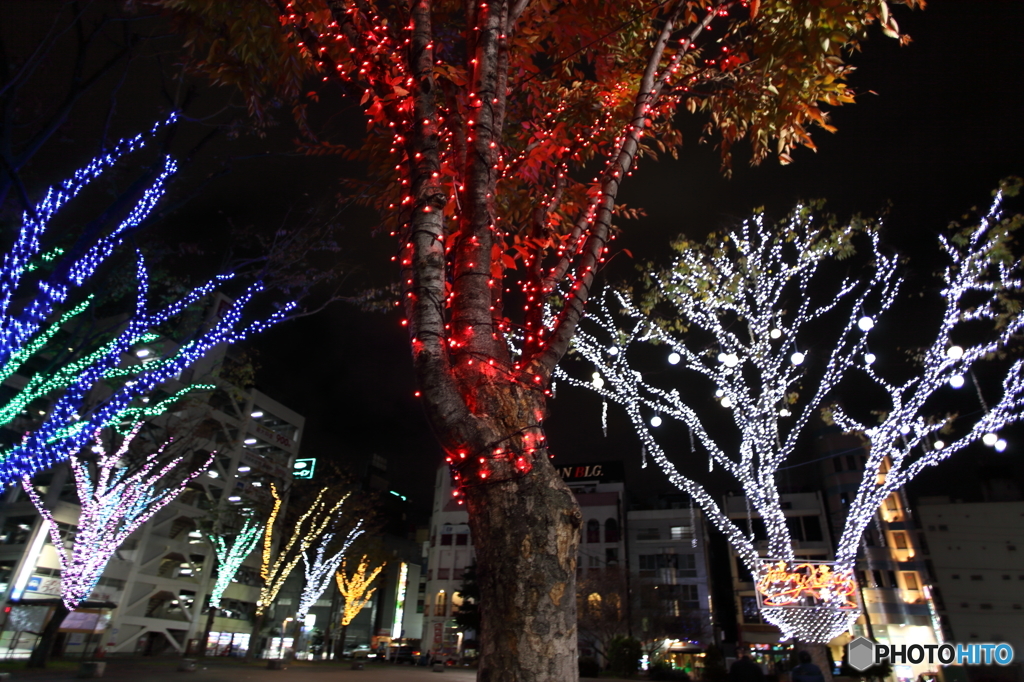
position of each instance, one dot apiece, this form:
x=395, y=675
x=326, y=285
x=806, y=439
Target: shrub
x=624, y=655
x=589, y=667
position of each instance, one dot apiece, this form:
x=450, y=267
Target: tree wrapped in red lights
x=484, y=122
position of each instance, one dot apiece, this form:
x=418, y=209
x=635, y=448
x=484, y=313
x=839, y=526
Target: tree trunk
x=44, y=646
x=341, y=641
x=254, y=638
x=526, y=532
x=819, y=657
x=211, y=614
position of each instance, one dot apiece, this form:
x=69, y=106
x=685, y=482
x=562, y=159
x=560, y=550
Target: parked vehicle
x=358, y=651
x=405, y=654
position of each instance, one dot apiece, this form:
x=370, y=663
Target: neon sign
x=806, y=584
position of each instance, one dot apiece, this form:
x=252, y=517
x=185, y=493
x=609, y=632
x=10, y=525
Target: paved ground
x=164, y=670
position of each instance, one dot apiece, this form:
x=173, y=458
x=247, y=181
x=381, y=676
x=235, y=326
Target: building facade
x=152, y=595
x=977, y=551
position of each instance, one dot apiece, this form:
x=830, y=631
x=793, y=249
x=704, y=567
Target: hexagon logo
x=860, y=653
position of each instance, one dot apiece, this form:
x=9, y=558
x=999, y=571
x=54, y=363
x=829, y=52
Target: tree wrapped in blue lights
x=35, y=307
x=763, y=319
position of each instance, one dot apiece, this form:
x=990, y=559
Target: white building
x=977, y=554
x=151, y=596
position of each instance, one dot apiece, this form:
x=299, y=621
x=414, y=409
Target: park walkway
x=213, y=670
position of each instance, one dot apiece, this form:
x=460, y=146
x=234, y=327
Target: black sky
x=944, y=125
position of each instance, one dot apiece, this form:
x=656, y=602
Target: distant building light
x=244, y=469
x=143, y=353
x=234, y=498
x=250, y=441
x=212, y=474
x=257, y=414
x=397, y=495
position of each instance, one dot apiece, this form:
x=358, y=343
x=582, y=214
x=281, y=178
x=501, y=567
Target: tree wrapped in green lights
x=43, y=291
x=748, y=317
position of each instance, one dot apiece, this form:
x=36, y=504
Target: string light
x=274, y=571
x=230, y=557
x=116, y=498
x=319, y=571
x=356, y=591
x=72, y=420
x=758, y=281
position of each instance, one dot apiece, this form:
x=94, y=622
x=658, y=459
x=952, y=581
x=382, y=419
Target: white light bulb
x=613, y=350
x=939, y=444
x=656, y=421
x=784, y=412
x=726, y=402
x=211, y=474
x=797, y=358
x=989, y=439
x=775, y=333
x=956, y=381
x=596, y=380
x=954, y=352
x=674, y=358
x=870, y=358
x=904, y=429
x=721, y=357
x=865, y=323
x=719, y=393
x=731, y=360
x=1000, y=445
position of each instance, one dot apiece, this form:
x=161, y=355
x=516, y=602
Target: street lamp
x=284, y=630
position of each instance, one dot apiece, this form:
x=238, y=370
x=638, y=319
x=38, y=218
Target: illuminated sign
x=805, y=584
x=603, y=472
x=303, y=468
x=403, y=580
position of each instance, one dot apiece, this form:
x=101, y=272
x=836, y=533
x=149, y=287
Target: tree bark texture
x=254, y=638
x=526, y=570
x=210, y=616
x=44, y=646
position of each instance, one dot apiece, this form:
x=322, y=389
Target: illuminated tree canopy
x=745, y=316
x=230, y=556
x=118, y=492
x=41, y=292
x=355, y=590
x=497, y=137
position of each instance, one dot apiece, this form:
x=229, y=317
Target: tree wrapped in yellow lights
x=354, y=591
x=275, y=568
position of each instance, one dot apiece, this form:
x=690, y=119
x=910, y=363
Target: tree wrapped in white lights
x=762, y=316
x=276, y=566
x=321, y=569
x=118, y=492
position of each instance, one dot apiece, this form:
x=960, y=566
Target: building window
x=976, y=577
x=611, y=530
x=751, y=613
x=440, y=604
x=16, y=530
x=446, y=539
x=442, y=574
x=593, y=530
x=457, y=573
x=899, y=538
x=681, y=532
x=890, y=503
x=910, y=580
x=611, y=556
x=986, y=607
x=462, y=539
x=956, y=576
x=648, y=534
x=594, y=561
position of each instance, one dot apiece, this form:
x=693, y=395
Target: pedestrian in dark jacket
x=806, y=671
x=745, y=670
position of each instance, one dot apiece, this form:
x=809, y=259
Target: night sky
x=944, y=125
